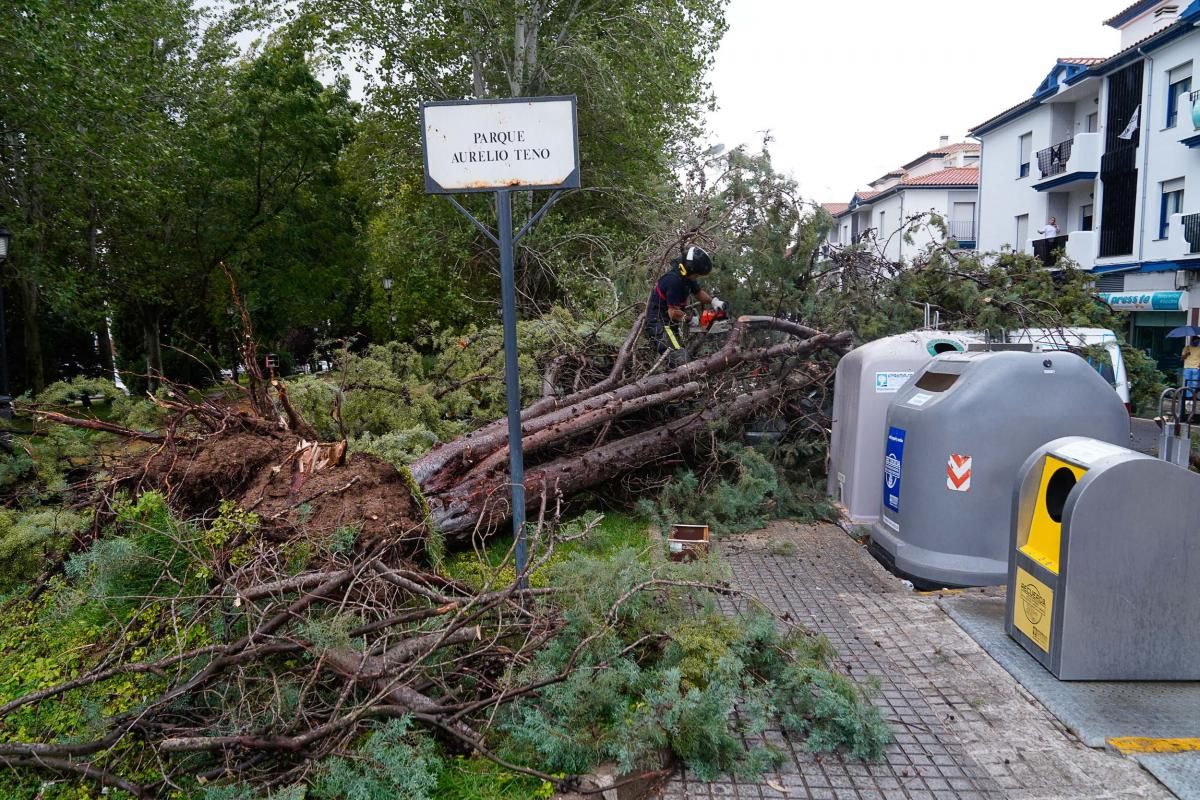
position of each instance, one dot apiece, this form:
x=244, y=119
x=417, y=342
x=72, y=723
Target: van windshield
x=1100, y=360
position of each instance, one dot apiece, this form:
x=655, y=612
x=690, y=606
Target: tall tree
x=88, y=92
x=638, y=69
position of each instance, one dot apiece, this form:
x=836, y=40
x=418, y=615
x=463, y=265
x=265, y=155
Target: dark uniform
x=671, y=291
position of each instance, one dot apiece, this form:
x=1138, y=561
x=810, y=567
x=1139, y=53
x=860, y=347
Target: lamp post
x=5, y=396
x=387, y=287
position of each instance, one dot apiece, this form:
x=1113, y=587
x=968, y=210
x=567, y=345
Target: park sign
x=521, y=144
x=504, y=146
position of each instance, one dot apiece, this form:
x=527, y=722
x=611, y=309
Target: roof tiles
x=956, y=176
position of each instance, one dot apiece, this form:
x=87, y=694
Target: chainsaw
x=711, y=321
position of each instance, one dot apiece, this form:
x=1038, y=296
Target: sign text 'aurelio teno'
x=510, y=144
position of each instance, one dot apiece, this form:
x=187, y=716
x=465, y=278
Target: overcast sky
x=850, y=89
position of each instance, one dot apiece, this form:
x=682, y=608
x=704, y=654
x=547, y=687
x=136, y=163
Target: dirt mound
x=277, y=477
x=364, y=492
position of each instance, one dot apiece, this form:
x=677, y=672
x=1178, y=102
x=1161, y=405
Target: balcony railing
x=1191, y=232
x=1048, y=249
x=961, y=230
x=1053, y=160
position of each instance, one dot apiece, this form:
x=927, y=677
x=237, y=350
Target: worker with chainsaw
x=667, y=308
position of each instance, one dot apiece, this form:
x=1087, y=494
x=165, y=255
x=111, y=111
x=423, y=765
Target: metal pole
x=512, y=378
x=6, y=398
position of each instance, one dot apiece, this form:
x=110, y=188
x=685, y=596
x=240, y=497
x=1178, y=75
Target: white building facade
x=1111, y=149
x=943, y=181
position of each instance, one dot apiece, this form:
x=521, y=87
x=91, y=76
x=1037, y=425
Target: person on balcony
x=1051, y=229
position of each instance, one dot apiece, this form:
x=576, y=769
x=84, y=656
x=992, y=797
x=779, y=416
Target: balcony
x=1047, y=250
x=1075, y=160
x=963, y=232
x=1183, y=235
x=1081, y=248
x=1192, y=138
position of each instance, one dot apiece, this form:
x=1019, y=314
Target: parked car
x=1099, y=346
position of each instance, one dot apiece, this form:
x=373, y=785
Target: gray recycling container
x=957, y=435
x=1103, y=575
x=867, y=379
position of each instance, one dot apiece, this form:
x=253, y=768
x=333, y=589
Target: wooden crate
x=687, y=542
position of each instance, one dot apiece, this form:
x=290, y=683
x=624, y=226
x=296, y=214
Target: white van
x=1084, y=342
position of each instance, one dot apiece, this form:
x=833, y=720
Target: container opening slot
x=936, y=381
x=1060, y=485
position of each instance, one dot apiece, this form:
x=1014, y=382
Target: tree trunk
x=150, y=332
x=35, y=373
x=107, y=353
x=464, y=482
x=477, y=85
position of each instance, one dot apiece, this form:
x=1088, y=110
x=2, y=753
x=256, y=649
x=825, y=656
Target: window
x=882, y=224
x=1179, y=85
x=962, y=221
x=1085, y=217
x=1026, y=148
x=1093, y=122
x=1172, y=203
x=1022, y=233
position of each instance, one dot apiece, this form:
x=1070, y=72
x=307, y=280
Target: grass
x=494, y=564
x=479, y=779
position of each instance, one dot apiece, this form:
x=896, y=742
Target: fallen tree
x=259, y=643
x=624, y=418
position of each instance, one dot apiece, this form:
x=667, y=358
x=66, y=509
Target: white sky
x=852, y=89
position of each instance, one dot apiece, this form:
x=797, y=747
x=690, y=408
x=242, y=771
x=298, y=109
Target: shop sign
x=1145, y=301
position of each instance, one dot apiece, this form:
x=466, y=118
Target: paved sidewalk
x=964, y=728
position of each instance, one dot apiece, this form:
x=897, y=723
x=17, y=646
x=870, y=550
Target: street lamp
x=5, y=396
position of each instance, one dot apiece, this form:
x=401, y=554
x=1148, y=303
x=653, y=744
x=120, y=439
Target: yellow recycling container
x=1104, y=563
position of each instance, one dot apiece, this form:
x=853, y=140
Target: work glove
x=717, y=304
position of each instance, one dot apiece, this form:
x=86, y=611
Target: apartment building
x=1110, y=147
x=944, y=181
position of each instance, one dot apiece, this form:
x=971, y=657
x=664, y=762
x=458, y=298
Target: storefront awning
x=1145, y=301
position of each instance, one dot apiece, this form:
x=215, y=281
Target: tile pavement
x=964, y=728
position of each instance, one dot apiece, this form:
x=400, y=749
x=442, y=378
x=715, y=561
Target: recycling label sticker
x=893, y=467
x=890, y=382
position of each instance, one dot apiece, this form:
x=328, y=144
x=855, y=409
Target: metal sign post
x=502, y=146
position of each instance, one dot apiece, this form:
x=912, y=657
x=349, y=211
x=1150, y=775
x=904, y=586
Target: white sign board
x=485, y=145
x=891, y=382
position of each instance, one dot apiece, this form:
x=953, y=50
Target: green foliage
x=645, y=64
x=150, y=552
x=28, y=540
x=606, y=534
x=1146, y=381
x=745, y=492
x=36, y=469
x=992, y=292
x=391, y=763
x=477, y=778
x=398, y=448
x=66, y=392
x=627, y=703
x=829, y=710
x=299, y=792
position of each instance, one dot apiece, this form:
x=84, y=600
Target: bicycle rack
x=1175, y=430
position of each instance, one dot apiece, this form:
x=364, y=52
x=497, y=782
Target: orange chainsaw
x=711, y=321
